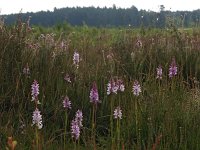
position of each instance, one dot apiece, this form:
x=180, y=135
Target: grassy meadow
x=165, y=115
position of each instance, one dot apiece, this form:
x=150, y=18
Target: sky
x=14, y=6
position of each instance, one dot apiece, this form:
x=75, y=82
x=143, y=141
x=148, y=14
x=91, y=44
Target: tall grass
x=167, y=110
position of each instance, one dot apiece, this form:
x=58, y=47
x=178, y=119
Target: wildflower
x=159, y=72
x=76, y=124
x=37, y=118
x=79, y=118
x=53, y=55
x=94, y=95
x=110, y=56
x=35, y=91
x=42, y=36
x=133, y=56
x=76, y=59
x=112, y=87
x=75, y=129
x=118, y=113
x=139, y=43
x=115, y=86
x=22, y=126
x=67, y=78
x=67, y=103
x=173, y=68
x=62, y=44
x=109, y=87
x=121, y=86
x=136, y=88
x=26, y=70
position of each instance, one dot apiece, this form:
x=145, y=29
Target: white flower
x=112, y=87
x=76, y=59
x=118, y=113
x=159, y=72
x=37, y=118
x=136, y=88
x=35, y=91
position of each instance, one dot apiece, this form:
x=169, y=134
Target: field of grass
x=164, y=115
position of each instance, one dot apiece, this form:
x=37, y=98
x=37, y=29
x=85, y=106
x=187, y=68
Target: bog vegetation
x=99, y=88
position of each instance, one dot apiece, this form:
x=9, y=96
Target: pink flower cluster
x=114, y=86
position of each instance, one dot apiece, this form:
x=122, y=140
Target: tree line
x=110, y=17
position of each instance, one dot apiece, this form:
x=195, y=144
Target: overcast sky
x=14, y=6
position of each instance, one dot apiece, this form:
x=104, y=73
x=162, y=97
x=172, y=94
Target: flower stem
x=65, y=133
x=118, y=134
x=37, y=138
x=74, y=144
x=93, y=126
x=136, y=118
x=111, y=122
